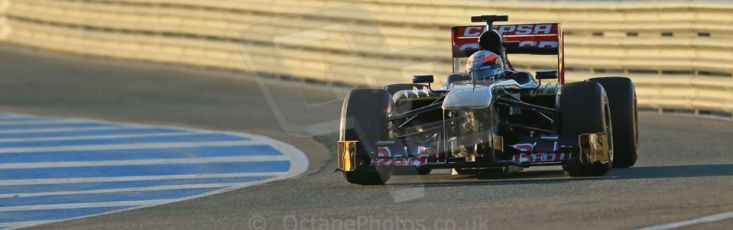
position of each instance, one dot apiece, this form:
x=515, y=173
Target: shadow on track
x=672, y=171
x=530, y=177
x=558, y=176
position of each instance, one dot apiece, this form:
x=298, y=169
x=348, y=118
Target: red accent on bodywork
x=561, y=51
x=489, y=58
x=384, y=152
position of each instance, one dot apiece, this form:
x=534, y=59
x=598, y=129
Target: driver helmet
x=484, y=65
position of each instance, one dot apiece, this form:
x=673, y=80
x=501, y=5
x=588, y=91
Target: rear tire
x=584, y=109
x=622, y=100
x=364, y=119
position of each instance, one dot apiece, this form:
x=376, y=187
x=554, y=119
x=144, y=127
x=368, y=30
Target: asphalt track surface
x=685, y=170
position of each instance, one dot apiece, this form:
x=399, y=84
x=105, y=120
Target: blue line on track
x=139, y=154
x=195, y=137
x=38, y=188
x=145, y=170
x=102, y=132
x=56, y=125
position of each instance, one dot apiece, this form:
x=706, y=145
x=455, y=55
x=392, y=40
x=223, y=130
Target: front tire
x=364, y=119
x=584, y=109
x=622, y=100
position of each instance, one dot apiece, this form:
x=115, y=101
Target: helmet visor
x=485, y=74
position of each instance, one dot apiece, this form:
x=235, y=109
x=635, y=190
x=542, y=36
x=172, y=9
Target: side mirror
x=548, y=74
x=423, y=78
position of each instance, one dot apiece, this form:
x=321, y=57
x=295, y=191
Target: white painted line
x=701, y=220
x=119, y=124
x=298, y=161
x=19, y=131
x=135, y=178
x=128, y=146
x=84, y=205
x=167, y=161
x=131, y=189
x=39, y=122
x=2, y=140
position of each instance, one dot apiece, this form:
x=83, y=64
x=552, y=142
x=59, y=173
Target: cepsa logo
x=541, y=36
x=473, y=31
x=508, y=30
x=526, y=29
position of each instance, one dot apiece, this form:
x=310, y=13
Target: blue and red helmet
x=484, y=65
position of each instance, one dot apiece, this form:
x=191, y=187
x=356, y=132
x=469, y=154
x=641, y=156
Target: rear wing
x=538, y=39
x=541, y=39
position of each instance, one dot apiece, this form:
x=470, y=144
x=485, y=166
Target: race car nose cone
x=467, y=97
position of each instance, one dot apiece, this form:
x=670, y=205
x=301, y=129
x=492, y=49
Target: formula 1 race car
x=491, y=117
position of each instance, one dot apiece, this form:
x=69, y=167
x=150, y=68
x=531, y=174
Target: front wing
x=552, y=150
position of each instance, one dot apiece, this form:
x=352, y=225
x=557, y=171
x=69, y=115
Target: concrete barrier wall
x=679, y=54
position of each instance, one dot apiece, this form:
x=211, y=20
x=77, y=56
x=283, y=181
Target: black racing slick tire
x=584, y=109
x=622, y=100
x=364, y=119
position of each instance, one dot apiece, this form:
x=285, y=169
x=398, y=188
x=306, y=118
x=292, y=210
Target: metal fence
x=679, y=53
